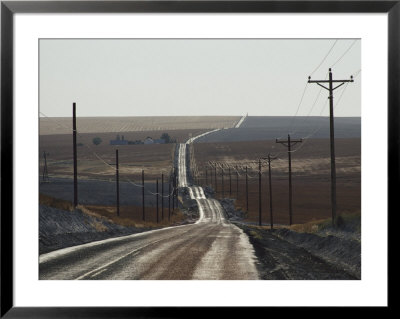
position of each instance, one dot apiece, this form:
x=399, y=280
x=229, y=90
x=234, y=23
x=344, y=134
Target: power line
x=323, y=60
x=304, y=91
x=313, y=105
x=298, y=108
x=104, y=161
x=306, y=138
x=345, y=52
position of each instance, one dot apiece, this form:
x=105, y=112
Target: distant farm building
x=119, y=141
x=149, y=140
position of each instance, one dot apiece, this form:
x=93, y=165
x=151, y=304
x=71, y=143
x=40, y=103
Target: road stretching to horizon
x=211, y=248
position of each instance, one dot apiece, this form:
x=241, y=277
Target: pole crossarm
x=292, y=142
x=330, y=81
x=333, y=81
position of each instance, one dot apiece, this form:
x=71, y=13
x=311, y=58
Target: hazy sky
x=195, y=77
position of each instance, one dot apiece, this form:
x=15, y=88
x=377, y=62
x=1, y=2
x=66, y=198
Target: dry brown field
x=153, y=158
x=310, y=177
x=63, y=125
x=128, y=216
x=133, y=215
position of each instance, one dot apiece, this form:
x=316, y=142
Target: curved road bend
x=212, y=248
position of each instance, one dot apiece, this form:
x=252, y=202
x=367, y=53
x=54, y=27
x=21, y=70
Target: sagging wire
x=105, y=162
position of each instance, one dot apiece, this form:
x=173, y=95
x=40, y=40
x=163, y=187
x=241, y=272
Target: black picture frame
x=9, y=8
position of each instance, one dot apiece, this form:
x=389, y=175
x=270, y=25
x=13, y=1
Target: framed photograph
x=163, y=155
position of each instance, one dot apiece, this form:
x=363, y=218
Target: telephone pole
x=289, y=143
x=332, y=132
x=259, y=192
x=143, y=213
x=75, y=155
x=247, y=192
x=270, y=189
x=162, y=196
x=117, y=178
x=173, y=189
x=157, y=198
x=169, y=198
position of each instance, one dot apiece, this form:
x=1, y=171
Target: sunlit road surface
x=212, y=248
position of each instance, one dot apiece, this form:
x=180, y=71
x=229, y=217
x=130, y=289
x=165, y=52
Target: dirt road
x=212, y=248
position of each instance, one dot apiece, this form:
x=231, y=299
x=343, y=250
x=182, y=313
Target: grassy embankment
x=130, y=216
x=349, y=222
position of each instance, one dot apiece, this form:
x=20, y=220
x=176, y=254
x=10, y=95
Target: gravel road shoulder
x=284, y=254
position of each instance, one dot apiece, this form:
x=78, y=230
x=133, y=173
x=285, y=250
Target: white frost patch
x=60, y=252
x=211, y=266
x=201, y=211
x=223, y=262
x=191, y=193
x=241, y=121
x=202, y=192
x=182, y=179
x=191, y=140
x=246, y=255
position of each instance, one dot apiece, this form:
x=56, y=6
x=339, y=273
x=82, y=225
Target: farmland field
x=310, y=176
x=63, y=125
x=153, y=158
x=310, y=166
x=255, y=128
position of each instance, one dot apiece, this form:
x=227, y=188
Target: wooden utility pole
x=259, y=192
x=117, y=178
x=270, y=190
x=143, y=212
x=332, y=133
x=169, y=198
x=173, y=191
x=75, y=155
x=162, y=196
x=247, y=192
x=289, y=143
x=157, y=198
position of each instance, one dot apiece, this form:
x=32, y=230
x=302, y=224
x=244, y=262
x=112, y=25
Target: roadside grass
x=342, y=220
x=55, y=202
x=99, y=226
x=346, y=219
x=130, y=216
x=255, y=233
